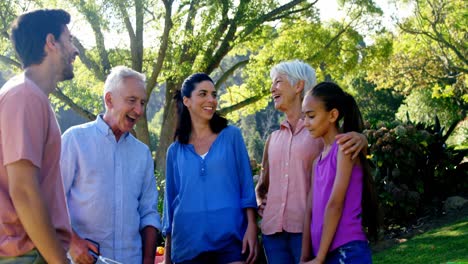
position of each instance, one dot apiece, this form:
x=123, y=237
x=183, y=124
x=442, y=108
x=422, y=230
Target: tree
x=376, y=106
x=335, y=50
x=428, y=52
x=191, y=36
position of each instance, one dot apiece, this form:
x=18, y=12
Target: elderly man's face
x=126, y=106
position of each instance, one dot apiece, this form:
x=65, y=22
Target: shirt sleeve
x=169, y=193
x=147, y=207
x=68, y=161
x=245, y=172
x=24, y=122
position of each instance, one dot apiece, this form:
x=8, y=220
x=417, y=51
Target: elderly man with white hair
x=109, y=179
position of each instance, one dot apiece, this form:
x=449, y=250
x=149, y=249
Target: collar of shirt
x=105, y=128
x=299, y=126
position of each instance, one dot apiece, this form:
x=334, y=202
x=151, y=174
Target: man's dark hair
x=29, y=32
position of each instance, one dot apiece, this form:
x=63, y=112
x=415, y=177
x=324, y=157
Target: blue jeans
x=283, y=247
x=31, y=257
x=231, y=253
x=354, y=252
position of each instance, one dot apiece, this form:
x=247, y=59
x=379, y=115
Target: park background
x=405, y=61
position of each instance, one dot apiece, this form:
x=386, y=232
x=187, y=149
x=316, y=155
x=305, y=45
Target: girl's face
x=202, y=103
x=317, y=119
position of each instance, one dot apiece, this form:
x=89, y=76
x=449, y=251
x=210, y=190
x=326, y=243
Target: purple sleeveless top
x=350, y=227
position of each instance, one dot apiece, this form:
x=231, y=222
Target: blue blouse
x=205, y=198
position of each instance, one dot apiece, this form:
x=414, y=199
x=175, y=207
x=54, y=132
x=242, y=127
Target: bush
x=414, y=167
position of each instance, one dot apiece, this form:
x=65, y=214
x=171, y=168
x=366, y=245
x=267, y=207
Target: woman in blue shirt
x=209, y=207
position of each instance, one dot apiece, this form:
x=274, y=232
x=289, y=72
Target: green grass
x=447, y=244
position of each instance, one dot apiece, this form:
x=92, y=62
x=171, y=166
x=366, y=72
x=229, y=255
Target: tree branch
x=225, y=46
x=270, y=16
x=436, y=35
x=137, y=58
x=218, y=32
x=126, y=19
x=287, y=14
x=248, y=101
x=93, y=19
x=78, y=109
x=229, y=72
x=8, y=61
x=188, y=31
x=90, y=64
x=157, y=67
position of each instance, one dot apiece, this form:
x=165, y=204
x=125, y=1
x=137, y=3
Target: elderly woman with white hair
x=287, y=164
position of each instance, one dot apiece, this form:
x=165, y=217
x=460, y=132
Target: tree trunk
x=142, y=132
x=167, y=128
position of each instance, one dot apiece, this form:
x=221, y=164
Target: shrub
x=414, y=167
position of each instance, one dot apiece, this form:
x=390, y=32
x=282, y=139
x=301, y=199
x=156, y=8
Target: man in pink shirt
x=287, y=164
x=34, y=222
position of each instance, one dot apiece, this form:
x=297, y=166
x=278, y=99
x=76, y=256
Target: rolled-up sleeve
x=147, y=207
x=248, y=199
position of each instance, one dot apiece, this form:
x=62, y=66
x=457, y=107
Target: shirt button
x=287, y=163
x=286, y=175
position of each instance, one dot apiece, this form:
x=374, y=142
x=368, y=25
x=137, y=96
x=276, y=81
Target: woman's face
x=203, y=102
x=283, y=93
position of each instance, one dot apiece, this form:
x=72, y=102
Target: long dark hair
x=184, y=122
x=333, y=96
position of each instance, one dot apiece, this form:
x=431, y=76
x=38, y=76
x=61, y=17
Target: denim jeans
x=354, y=252
x=31, y=257
x=231, y=253
x=283, y=247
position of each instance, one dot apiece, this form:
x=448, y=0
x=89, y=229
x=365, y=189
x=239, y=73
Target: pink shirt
x=290, y=158
x=29, y=131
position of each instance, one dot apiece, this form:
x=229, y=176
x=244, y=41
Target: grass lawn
x=447, y=244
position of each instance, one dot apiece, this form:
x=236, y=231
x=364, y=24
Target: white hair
x=119, y=74
x=295, y=71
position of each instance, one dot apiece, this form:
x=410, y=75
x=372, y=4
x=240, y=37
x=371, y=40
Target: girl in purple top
x=342, y=199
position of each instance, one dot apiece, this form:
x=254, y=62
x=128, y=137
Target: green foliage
x=427, y=53
x=377, y=106
x=413, y=167
x=421, y=106
x=160, y=185
x=85, y=90
x=252, y=138
x=334, y=50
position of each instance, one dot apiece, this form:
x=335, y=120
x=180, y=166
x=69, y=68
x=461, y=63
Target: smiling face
x=317, y=119
x=283, y=93
x=125, y=105
x=67, y=54
x=203, y=102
